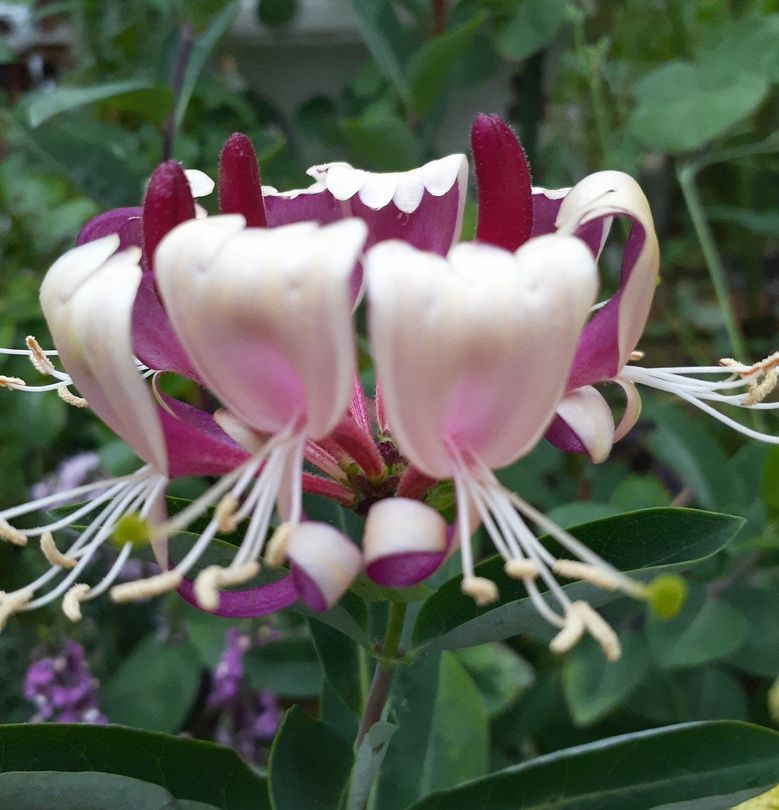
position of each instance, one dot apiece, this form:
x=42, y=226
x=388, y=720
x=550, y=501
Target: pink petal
x=251, y=602
x=168, y=202
x=503, y=184
x=239, y=181
x=546, y=205
x=583, y=424
x=125, y=222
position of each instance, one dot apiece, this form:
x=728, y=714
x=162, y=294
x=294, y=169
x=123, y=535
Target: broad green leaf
x=383, y=142
x=288, y=667
x=646, y=540
x=641, y=770
x=704, y=629
x=500, y=673
x=759, y=654
x=34, y=790
x=682, y=106
x=459, y=737
x=341, y=660
x=188, y=769
x=134, y=94
x=384, y=38
x=309, y=764
x=770, y=480
x=349, y=616
x=684, y=444
x=640, y=492
x=412, y=703
x=154, y=687
x=593, y=686
x=431, y=66
x=748, y=44
x=276, y=12
x=532, y=26
x=367, y=764
x=762, y=223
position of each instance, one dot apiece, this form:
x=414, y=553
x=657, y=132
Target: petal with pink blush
x=125, y=222
x=250, y=602
x=404, y=542
x=324, y=563
x=614, y=330
x=583, y=424
x=546, y=206
x=87, y=298
x=463, y=348
x=265, y=317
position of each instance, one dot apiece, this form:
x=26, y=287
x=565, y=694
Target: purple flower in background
x=247, y=718
x=74, y=471
x=63, y=689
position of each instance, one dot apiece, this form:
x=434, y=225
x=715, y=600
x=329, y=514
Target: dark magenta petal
x=154, y=341
x=195, y=443
x=403, y=570
x=251, y=602
x=320, y=207
x=126, y=222
x=307, y=590
x=239, y=181
x=597, y=355
x=505, y=215
x=168, y=203
x=546, y=204
x=561, y=435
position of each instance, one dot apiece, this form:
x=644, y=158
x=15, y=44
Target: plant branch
x=177, y=79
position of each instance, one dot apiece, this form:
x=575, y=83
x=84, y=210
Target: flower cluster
x=480, y=349
x=63, y=689
x=247, y=718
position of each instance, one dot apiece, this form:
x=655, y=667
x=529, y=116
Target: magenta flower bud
x=168, y=203
x=239, y=181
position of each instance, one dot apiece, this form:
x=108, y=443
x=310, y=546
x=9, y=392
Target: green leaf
x=384, y=37
x=500, y=674
x=748, y=44
x=276, y=12
x=34, y=790
x=640, y=770
x=288, y=667
x=155, y=687
x=133, y=94
x=769, y=485
x=381, y=141
x=459, y=737
x=704, y=629
x=309, y=764
x=341, y=660
x=188, y=769
x=532, y=26
x=367, y=764
x=431, y=66
x=759, y=654
x=593, y=686
x=649, y=539
x=682, y=106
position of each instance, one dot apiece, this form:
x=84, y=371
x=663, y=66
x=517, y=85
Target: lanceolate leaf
x=644, y=540
x=648, y=769
x=187, y=769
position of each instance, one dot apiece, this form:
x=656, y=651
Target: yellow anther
x=142, y=589
x=12, y=535
x=569, y=636
x=224, y=513
x=210, y=581
x=40, y=362
x=573, y=569
x=11, y=382
x=635, y=355
x=53, y=555
x=66, y=395
x=71, y=602
x=11, y=602
x=483, y=591
x=276, y=549
x=521, y=569
x=600, y=630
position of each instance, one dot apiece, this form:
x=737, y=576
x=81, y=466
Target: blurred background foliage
x=680, y=93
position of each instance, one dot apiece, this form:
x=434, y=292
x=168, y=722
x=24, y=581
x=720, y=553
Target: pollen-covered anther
x=635, y=356
x=38, y=358
x=758, y=391
x=12, y=535
x=521, y=569
x=11, y=602
x=213, y=579
x=571, y=633
x=224, y=514
x=67, y=396
x=276, y=550
x=11, y=382
x=573, y=569
x=744, y=370
x=71, y=602
x=600, y=630
x=142, y=589
x=53, y=555
x=483, y=591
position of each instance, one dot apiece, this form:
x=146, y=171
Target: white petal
x=200, y=184
x=440, y=175
x=378, y=189
x=588, y=415
x=343, y=181
x=410, y=189
x=402, y=526
x=87, y=300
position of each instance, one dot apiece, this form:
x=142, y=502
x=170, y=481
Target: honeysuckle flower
x=471, y=375
x=511, y=210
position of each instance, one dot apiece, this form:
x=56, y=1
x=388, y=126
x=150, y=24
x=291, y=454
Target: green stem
x=385, y=668
x=712, y=258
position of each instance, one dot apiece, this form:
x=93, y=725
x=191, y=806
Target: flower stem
x=385, y=668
